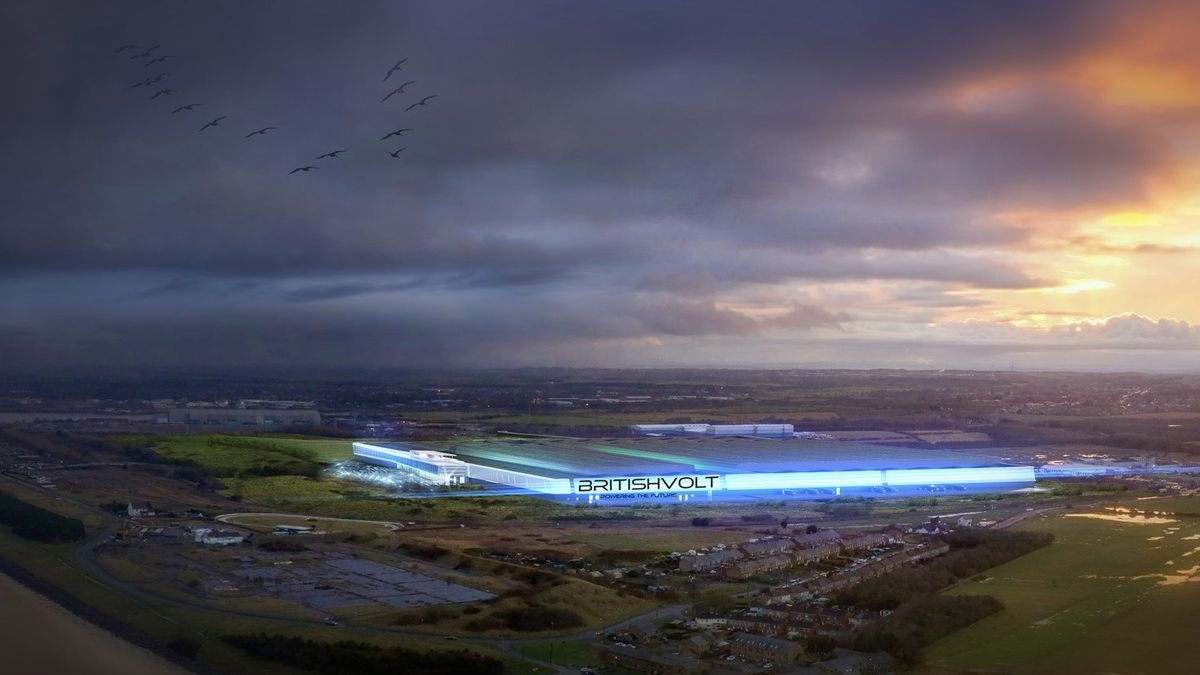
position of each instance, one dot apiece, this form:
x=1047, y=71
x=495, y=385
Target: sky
x=644, y=183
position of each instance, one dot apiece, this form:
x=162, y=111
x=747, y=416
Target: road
x=154, y=603
x=231, y=518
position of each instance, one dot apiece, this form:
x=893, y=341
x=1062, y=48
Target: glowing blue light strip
x=517, y=479
x=803, y=480
x=982, y=474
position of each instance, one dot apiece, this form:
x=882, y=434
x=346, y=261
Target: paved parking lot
x=331, y=582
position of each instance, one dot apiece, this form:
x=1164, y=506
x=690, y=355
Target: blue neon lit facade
x=644, y=483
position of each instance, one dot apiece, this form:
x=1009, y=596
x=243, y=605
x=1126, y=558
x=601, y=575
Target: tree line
x=922, y=616
x=971, y=552
x=362, y=658
x=38, y=524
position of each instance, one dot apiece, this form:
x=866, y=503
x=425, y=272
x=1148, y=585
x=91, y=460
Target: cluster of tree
x=423, y=551
x=539, y=618
x=1079, y=488
x=923, y=621
x=839, y=509
x=758, y=518
x=184, y=645
x=362, y=658
x=115, y=507
x=971, y=552
x=529, y=619
x=712, y=602
x=36, y=523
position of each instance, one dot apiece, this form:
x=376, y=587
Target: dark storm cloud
x=657, y=154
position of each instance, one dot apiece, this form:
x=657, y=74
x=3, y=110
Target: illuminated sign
x=647, y=484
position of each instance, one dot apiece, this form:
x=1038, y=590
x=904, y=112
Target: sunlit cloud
x=633, y=186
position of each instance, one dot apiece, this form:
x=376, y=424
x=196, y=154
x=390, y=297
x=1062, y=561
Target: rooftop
x=568, y=458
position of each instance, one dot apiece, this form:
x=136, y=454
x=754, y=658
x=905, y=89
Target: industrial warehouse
x=683, y=469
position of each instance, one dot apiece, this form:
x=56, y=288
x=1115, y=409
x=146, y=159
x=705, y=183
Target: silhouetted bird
x=158, y=78
x=144, y=83
x=148, y=52
x=303, y=168
x=160, y=59
x=398, y=132
x=332, y=154
x=261, y=132
x=124, y=48
x=421, y=102
x=188, y=107
x=395, y=68
x=214, y=123
x=162, y=92
x=398, y=90
x=396, y=154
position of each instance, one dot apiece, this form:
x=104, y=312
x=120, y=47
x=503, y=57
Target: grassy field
x=1034, y=419
x=569, y=653
x=229, y=455
x=1107, y=596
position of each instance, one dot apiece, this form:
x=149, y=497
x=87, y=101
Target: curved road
x=85, y=555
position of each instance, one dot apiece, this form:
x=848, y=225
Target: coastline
x=47, y=631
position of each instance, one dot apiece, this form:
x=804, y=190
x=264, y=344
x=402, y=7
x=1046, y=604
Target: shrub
x=38, y=524
x=362, y=658
x=538, y=618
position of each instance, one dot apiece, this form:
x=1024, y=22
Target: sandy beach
x=42, y=638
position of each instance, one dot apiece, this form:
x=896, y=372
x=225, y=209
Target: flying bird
x=398, y=132
x=148, y=52
x=187, y=107
x=124, y=48
x=305, y=169
x=261, y=132
x=421, y=102
x=214, y=123
x=144, y=83
x=398, y=90
x=160, y=59
x=332, y=154
x=158, y=78
x=396, y=154
x=395, y=68
x=162, y=92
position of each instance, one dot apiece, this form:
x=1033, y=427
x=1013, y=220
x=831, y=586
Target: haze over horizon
x=700, y=184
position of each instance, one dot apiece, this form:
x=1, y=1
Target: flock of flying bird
x=151, y=56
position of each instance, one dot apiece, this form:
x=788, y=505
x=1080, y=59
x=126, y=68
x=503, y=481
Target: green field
x=228, y=455
x=1034, y=419
x=1111, y=597
x=569, y=652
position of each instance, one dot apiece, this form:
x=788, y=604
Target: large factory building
x=700, y=468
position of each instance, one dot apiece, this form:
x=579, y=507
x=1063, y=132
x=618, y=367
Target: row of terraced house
x=768, y=555
x=821, y=586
